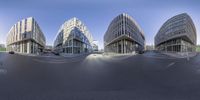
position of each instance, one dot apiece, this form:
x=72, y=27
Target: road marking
x=42, y=61
x=56, y=61
x=171, y=64
x=160, y=57
x=116, y=58
x=3, y=71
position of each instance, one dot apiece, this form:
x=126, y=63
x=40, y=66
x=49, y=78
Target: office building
x=178, y=34
x=124, y=36
x=26, y=37
x=73, y=37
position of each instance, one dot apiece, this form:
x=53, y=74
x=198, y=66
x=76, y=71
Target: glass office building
x=26, y=37
x=178, y=34
x=73, y=37
x=124, y=36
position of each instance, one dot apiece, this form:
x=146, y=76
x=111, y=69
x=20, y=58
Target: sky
x=95, y=14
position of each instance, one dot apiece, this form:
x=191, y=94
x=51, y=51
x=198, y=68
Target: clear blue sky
x=96, y=14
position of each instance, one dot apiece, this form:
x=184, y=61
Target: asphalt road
x=150, y=76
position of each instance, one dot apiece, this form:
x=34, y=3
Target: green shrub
x=198, y=48
x=2, y=49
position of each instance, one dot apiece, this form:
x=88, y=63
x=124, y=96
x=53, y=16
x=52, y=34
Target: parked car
x=140, y=52
x=11, y=52
x=56, y=53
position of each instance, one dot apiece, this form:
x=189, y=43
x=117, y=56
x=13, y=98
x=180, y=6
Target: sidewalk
x=73, y=55
x=24, y=54
x=181, y=55
x=116, y=55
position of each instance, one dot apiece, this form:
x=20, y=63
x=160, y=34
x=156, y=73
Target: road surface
x=150, y=76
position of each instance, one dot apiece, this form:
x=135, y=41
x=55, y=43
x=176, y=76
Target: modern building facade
x=95, y=46
x=124, y=36
x=26, y=37
x=48, y=49
x=73, y=37
x=2, y=46
x=178, y=34
x=149, y=47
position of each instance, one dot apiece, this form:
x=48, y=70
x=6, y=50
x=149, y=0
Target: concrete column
x=20, y=47
x=33, y=47
x=28, y=47
x=121, y=46
x=125, y=46
x=36, y=48
x=117, y=47
x=72, y=46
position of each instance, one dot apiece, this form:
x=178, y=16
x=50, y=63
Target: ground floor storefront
x=176, y=45
x=74, y=47
x=124, y=46
x=27, y=47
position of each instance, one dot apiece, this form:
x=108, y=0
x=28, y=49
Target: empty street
x=149, y=76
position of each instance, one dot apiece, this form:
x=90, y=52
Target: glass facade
x=176, y=45
x=124, y=36
x=177, y=34
x=73, y=38
x=26, y=37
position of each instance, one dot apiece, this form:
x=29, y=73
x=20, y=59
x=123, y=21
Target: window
x=24, y=35
x=25, y=47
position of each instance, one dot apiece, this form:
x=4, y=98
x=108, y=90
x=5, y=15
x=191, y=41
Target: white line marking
x=3, y=71
x=171, y=64
x=160, y=57
x=42, y=61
